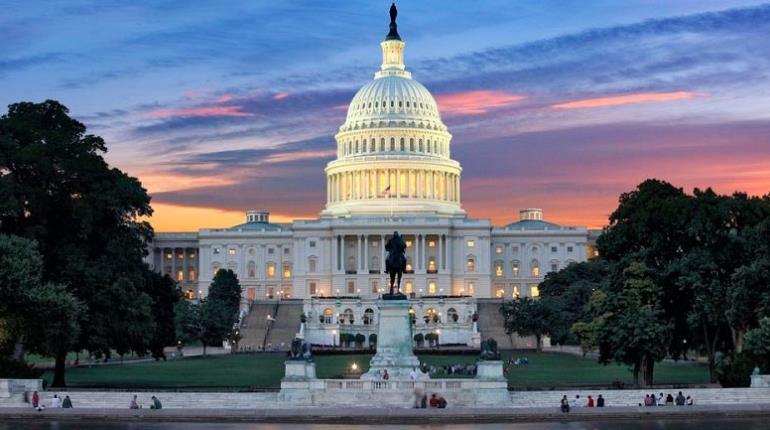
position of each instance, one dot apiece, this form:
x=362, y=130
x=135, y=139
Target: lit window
x=168, y=256
x=498, y=250
x=408, y=287
x=191, y=274
x=471, y=287
x=431, y=244
x=271, y=270
x=180, y=256
x=470, y=265
x=408, y=243
x=180, y=275
x=500, y=292
x=312, y=288
x=192, y=255
x=432, y=287
x=535, y=271
x=312, y=243
x=515, y=268
x=498, y=269
x=214, y=269
x=516, y=293
x=534, y=291
x=231, y=251
x=432, y=264
x=471, y=243
x=286, y=270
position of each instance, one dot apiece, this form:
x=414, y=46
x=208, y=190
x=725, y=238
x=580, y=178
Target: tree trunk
x=636, y=373
x=58, y=372
x=737, y=338
x=204, y=349
x=647, y=367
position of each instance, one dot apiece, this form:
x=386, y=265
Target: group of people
x=154, y=403
x=669, y=400
x=56, y=402
x=577, y=402
x=452, y=369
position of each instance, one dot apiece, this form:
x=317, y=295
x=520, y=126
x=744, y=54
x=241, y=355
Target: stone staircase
x=286, y=324
x=255, y=325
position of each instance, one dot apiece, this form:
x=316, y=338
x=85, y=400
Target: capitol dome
x=393, y=150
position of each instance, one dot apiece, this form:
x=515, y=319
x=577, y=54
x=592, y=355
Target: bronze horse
x=395, y=264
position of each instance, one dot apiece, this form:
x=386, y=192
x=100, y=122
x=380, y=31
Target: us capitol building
x=393, y=172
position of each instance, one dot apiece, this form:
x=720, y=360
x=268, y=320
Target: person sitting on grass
x=156, y=403
x=67, y=403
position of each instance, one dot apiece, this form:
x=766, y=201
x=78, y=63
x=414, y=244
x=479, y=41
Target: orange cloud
x=475, y=102
x=200, y=112
x=168, y=217
x=626, y=99
x=280, y=96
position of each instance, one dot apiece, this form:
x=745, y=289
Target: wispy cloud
x=626, y=99
x=475, y=102
x=209, y=111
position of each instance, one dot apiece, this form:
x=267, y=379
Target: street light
x=334, y=338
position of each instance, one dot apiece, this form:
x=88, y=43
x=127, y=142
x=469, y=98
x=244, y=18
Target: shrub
x=360, y=339
x=734, y=371
x=419, y=339
x=372, y=340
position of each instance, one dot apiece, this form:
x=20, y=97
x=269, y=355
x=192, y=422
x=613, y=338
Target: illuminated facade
x=393, y=172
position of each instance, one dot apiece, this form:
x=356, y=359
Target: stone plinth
x=760, y=381
x=9, y=387
x=489, y=369
x=298, y=370
x=394, y=342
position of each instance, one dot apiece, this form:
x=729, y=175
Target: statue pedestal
x=299, y=370
x=394, y=342
x=489, y=369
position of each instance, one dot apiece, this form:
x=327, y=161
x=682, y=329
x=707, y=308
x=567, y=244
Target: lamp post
x=334, y=338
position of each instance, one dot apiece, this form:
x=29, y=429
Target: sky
x=219, y=107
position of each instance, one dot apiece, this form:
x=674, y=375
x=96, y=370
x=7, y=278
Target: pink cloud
x=475, y=102
x=193, y=94
x=224, y=98
x=209, y=111
x=280, y=96
x=626, y=99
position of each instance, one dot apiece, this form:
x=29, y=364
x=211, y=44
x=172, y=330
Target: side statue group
x=300, y=350
x=489, y=350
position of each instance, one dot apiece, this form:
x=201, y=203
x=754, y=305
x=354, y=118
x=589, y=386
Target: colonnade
x=428, y=253
x=393, y=183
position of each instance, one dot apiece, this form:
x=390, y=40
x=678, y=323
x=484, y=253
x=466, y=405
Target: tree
x=360, y=339
x=372, y=340
x=419, y=339
x=226, y=289
x=757, y=345
x=216, y=322
x=164, y=294
x=527, y=317
x=58, y=190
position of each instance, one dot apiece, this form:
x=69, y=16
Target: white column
x=398, y=184
x=342, y=253
x=440, y=262
x=359, y=252
x=382, y=253
x=417, y=253
x=366, y=254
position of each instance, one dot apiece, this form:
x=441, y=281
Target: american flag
x=387, y=191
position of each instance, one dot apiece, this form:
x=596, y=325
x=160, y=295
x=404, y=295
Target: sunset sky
x=218, y=107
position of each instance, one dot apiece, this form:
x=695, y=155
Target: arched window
x=252, y=269
x=214, y=269
x=382, y=144
x=470, y=264
x=287, y=270
x=312, y=263
x=371, y=145
x=347, y=316
x=368, y=316
x=499, y=291
x=375, y=263
x=270, y=270
x=401, y=148
x=411, y=145
x=409, y=267
x=351, y=264
x=421, y=149
x=326, y=318
x=534, y=268
x=392, y=143
x=499, y=268
x=515, y=267
x=452, y=315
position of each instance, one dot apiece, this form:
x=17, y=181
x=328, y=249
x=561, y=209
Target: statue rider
x=395, y=264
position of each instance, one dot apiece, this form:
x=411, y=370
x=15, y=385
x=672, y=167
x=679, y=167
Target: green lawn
x=265, y=371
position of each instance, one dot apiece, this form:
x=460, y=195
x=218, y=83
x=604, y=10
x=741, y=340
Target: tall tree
x=165, y=294
x=58, y=190
x=226, y=289
x=527, y=317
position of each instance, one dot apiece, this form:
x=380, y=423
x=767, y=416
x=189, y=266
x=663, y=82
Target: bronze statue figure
x=300, y=350
x=393, y=13
x=395, y=264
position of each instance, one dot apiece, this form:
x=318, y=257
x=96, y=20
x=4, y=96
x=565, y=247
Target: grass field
x=241, y=371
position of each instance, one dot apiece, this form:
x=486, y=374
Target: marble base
x=489, y=369
x=760, y=381
x=299, y=370
x=394, y=342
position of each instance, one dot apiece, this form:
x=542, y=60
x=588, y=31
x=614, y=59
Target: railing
x=364, y=385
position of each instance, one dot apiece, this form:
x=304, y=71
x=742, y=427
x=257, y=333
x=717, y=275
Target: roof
x=530, y=224
x=256, y=226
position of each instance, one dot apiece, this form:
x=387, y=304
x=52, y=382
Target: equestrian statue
x=395, y=265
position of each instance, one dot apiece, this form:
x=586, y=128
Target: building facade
x=393, y=172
